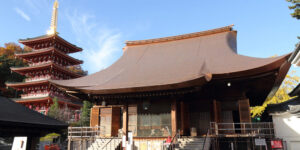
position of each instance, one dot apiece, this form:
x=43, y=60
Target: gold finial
x=52, y=29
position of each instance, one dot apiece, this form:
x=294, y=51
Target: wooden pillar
x=245, y=117
x=69, y=143
x=244, y=110
x=125, y=120
x=216, y=111
x=95, y=117
x=185, y=118
x=174, y=117
x=215, y=115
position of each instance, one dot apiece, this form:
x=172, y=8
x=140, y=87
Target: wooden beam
x=174, y=117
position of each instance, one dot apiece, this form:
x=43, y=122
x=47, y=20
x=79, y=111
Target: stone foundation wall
x=148, y=145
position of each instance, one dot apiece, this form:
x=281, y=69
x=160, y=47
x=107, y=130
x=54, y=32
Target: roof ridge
x=180, y=37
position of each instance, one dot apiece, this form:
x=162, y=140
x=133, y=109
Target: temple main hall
x=183, y=85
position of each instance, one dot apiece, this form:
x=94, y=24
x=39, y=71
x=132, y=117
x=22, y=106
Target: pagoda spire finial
x=52, y=29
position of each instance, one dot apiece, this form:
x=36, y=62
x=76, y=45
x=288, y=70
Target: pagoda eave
x=32, y=100
x=26, y=84
x=44, y=99
x=49, y=50
x=23, y=70
x=31, y=41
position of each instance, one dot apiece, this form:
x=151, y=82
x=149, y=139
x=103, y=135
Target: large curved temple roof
x=174, y=62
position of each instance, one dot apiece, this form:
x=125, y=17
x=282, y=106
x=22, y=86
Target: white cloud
x=22, y=14
x=101, y=45
x=36, y=6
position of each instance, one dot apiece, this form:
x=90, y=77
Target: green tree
x=290, y=82
x=54, y=110
x=85, y=113
x=295, y=7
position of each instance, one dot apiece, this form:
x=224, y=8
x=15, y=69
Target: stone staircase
x=188, y=143
x=105, y=144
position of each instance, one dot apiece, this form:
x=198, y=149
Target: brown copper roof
x=174, y=62
x=180, y=37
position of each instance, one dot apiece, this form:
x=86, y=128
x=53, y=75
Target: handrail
x=109, y=142
x=207, y=133
x=113, y=139
x=173, y=139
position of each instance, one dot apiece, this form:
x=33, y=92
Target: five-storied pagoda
x=49, y=59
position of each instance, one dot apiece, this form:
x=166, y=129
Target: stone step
x=194, y=140
x=193, y=143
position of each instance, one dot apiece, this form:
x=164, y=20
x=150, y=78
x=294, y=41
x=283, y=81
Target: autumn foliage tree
x=7, y=60
x=78, y=70
x=290, y=82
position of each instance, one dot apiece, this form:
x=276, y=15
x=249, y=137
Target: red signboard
x=276, y=144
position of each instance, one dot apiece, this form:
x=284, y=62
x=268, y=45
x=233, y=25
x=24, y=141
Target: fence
x=84, y=138
x=83, y=132
x=260, y=129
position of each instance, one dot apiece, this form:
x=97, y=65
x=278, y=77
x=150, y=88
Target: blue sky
x=100, y=27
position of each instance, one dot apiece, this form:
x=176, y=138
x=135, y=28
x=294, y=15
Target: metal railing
x=174, y=141
x=93, y=134
x=206, y=140
x=258, y=129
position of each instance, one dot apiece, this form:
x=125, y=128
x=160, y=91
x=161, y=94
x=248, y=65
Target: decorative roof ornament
x=52, y=29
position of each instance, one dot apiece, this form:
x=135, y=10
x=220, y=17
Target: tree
x=54, y=110
x=78, y=70
x=65, y=114
x=85, y=113
x=289, y=83
x=295, y=7
x=7, y=60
